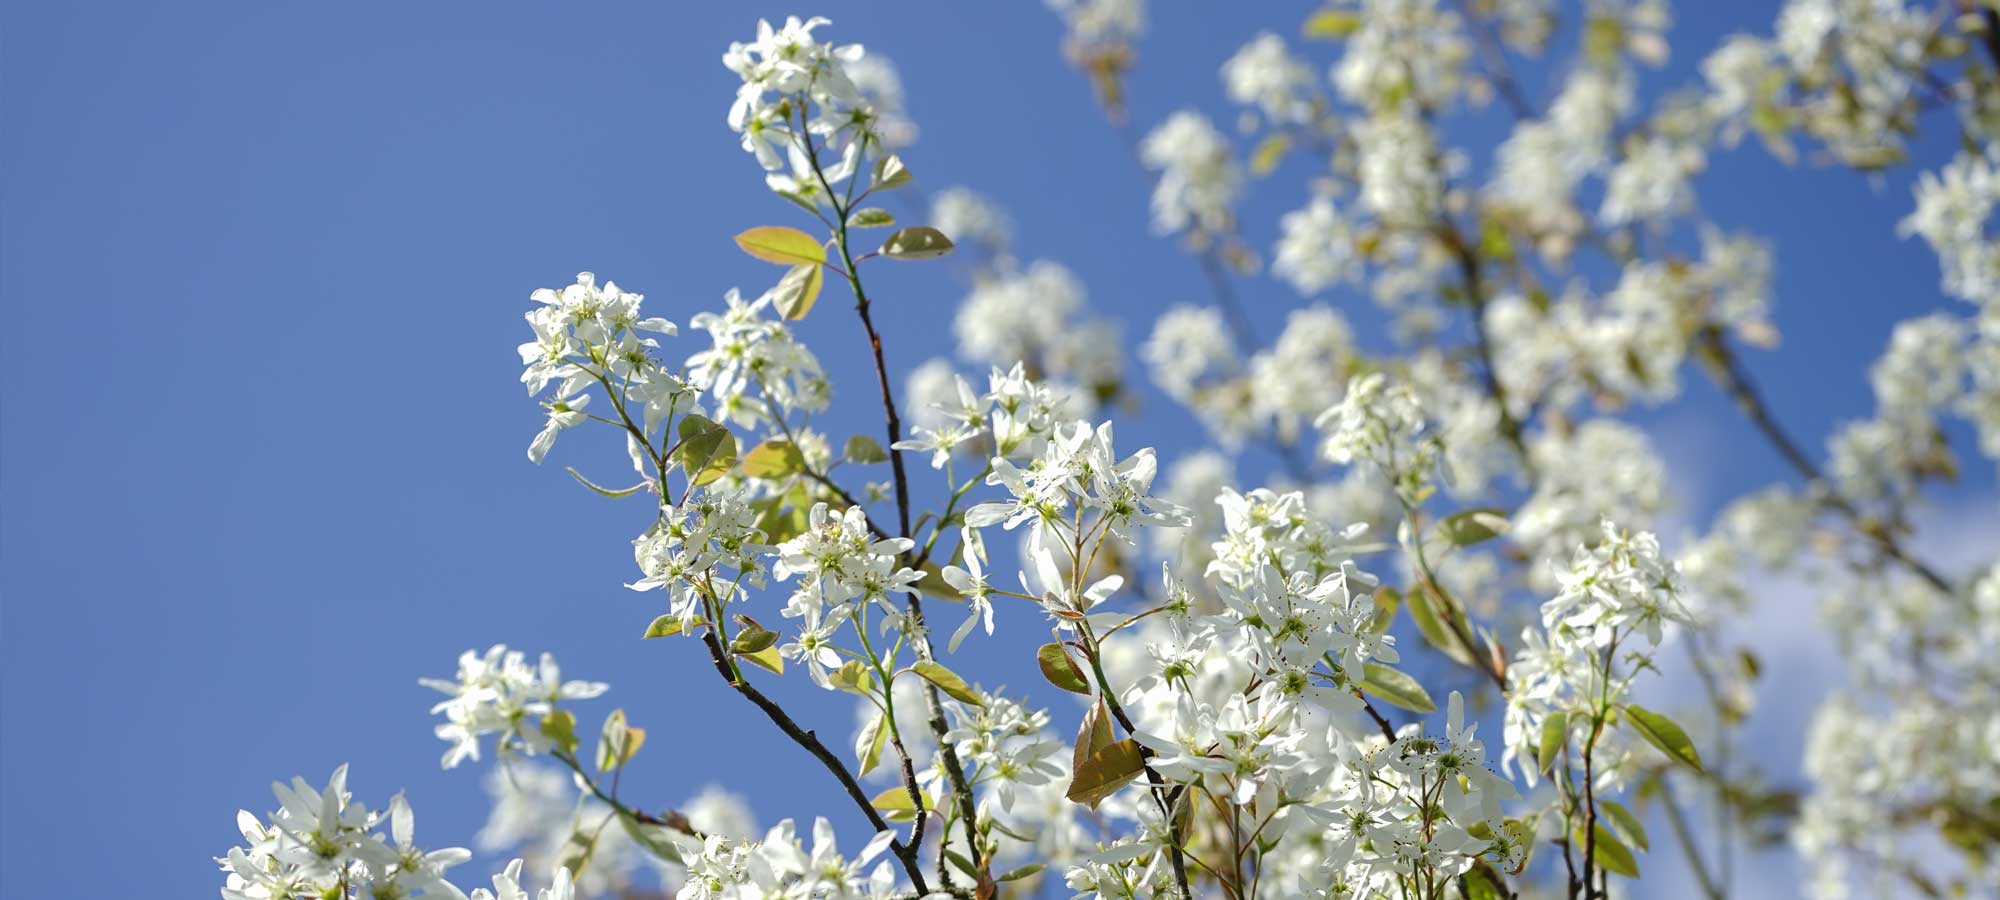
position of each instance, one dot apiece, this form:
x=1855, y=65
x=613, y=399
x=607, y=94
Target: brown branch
x=906, y=853
x=1729, y=374
x=919, y=632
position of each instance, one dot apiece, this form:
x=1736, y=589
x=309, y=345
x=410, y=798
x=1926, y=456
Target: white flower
x=1198, y=179
x=1652, y=183
x=1267, y=76
x=1317, y=248
x=495, y=693
x=562, y=414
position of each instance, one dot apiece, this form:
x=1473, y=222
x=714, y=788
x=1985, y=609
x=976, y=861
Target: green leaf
x=1608, y=852
x=853, y=676
x=767, y=659
x=895, y=804
x=1387, y=601
x=933, y=583
x=754, y=638
x=1521, y=832
x=1661, y=732
x=1481, y=884
x=618, y=742
x=1555, y=730
x=798, y=291
x=800, y=200
x=1020, y=873
x=749, y=643
x=916, y=242
x=781, y=245
x=1332, y=24
x=577, y=850
x=947, y=681
x=773, y=459
x=707, y=450
x=1625, y=823
x=657, y=839
x=1472, y=526
x=1092, y=734
x=872, y=217
x=780, y=520
x=1424, y=606
x=863, y=449
x=560, y=727
x=613, y=493
x=868, y=744
x=667, y=626
x=1268, y=154
x=1396, y=687
x=890, y=173
x=1060, y=670
x=1105, y=771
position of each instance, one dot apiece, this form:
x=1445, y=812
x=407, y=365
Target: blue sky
x=261, y=445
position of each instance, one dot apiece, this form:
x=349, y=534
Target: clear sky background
x=262, y=443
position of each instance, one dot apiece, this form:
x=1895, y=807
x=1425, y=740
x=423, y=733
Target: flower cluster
x=1246, y=726
x=322, y=843
x=585, y=334
x=780, y=865
x=1565, y=679
x=498, y=693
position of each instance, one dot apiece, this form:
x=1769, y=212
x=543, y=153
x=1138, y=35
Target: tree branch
x=906, y=853
x=1729, y=374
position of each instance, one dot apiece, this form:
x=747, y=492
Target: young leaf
x=1472, y=526
x=1332, y=24
x=560, y=727
x=657, y=839
x=773, y=459
x=1625, y=823
x=890, y=173
x=933, y=583
x=1092, y=735
x=798, y=290
x=1268, y=154
x=1610, y=854
x=752, y=641
x=863, y=449
x=895, y=804
x=577, y=850
x=618, y=742
x=1020, y=873
x=947, y=681
x=1060, y=670
x=1387, y=601
x=872, y=217
x=1661, y=732
x=1480, y=884
x=853, y=676
x=1105, y=771
x=1396, y=687
x=868, y=744
x=665, y=626
x=767, y=659
x=1425, y=610
x=916, y=242
x=781, y=245
x=1555, y=730
x=613, y=493
x=707, y=450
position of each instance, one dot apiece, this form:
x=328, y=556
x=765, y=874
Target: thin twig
x=906, y=853
x=1729, y=374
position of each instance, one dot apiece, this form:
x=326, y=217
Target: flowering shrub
x=1256, y=667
